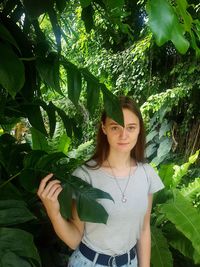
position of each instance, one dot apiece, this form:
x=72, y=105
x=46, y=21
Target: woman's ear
x=103, y=128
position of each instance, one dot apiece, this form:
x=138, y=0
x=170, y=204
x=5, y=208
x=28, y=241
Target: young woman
x=118, y=168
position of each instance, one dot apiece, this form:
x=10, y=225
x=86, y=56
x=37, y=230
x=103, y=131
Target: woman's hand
x=48, y=192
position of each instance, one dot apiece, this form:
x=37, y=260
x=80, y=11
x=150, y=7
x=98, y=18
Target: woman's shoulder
x=85, y=170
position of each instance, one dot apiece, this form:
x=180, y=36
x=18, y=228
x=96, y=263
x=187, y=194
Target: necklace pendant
x=124, y=199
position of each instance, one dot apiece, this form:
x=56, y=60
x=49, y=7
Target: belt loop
x=95, y=259
x=129, y=257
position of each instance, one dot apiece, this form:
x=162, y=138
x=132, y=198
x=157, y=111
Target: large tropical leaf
x=12, y=76
x=6, y=35
x=166, y=173
x=13, y=212
x=39, y=141
x=112, y=106
x=185, y=218
x=74, y=81
x=92, y=96
x=87, y=207
x=12, y=260
x=20, y=243
x=34, y=115
x=55, y=27
x=49, y=71
x=160, y=253
x=165, y=25
x=180, y=171
x=178, y=241
x=192, y=189
x=37, y=165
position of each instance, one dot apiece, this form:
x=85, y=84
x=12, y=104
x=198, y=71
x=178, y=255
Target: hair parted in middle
x=102, y=145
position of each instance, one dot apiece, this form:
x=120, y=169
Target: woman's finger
x=51, y=192
x=50, y=184
x=43, y=183
x=56, y=193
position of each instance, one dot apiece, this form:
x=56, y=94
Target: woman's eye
x=114, y=128
x=131, y=128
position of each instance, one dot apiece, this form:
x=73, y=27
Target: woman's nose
x=123, y=133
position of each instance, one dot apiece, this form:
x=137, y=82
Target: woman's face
x=122, y=139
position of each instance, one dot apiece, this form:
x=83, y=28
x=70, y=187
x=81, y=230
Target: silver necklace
x=123, y=198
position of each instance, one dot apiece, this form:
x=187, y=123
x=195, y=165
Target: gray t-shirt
x=125, y=220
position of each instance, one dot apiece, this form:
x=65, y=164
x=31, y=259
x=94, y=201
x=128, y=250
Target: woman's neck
x=120, y=161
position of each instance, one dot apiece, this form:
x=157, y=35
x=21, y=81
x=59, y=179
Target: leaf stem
x=10, y=179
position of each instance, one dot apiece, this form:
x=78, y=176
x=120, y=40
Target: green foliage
x=176, y=217
x=21, y=252
x=161, y=255
x=55, y=57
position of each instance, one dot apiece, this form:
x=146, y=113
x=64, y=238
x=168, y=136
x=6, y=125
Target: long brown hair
x=102, y=145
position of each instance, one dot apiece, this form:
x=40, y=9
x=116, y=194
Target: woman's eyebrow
x=132, y=123
x=113, y=123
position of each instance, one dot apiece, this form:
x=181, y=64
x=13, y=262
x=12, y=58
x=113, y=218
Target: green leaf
x=34, y=115
x=192, y=189
x=166, y=173
x=45, y=161
x=164, y=147
x=115, y=4
x=165, y=127
x=180, y=171
x=29, y=179
x=74, y=82
x=14, y=212
x=36, y=7
x=63, y=145
x=66, y=121
x=38, y=165
x=87, y=16
x=57, y=33
x=48, y=69
x=39, y=141
x=6, y=35
x=10, y=259
x=112, y=106
x=51, y=112
x=32, y=158
x=151, y=135
x=12, y=75
x=165, y=26
x=178, y=241
x=9, y=191
x=19, y=242
x=92, y=96
x=60, y=4
x=65, y=200
x=160, y=253
x=185, y=218
x=29, y=176
x=182, y=6
x=87, y=206
x=52, y=118
x=85, y=3
x=150, y=150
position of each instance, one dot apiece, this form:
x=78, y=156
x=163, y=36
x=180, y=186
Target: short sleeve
x=155, y=183
x=82, y=173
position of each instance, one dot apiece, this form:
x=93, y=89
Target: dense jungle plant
x=175, y=219
x=32, y=63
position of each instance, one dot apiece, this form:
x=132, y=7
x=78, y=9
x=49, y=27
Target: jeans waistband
x=107, y=260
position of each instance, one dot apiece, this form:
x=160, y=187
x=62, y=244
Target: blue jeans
x=78, y=260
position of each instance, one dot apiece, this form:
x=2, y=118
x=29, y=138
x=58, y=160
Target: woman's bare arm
x=144, y=243
x=70, y=231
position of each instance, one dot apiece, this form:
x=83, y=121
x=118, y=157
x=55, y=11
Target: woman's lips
x=122, y=144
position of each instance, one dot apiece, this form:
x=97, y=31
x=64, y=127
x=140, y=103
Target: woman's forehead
x=129, y=118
